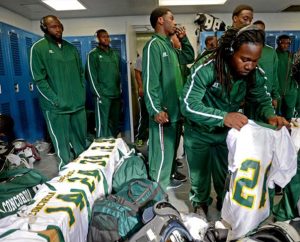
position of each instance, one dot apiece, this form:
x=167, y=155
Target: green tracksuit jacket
x=58, y=75
x=204, y=105
x=162, y=83
x=162, y=80
x=103, y=71
x=269, y=63
x=287, y=85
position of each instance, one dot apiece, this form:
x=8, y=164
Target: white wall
x=118, y=25
x=14, y=19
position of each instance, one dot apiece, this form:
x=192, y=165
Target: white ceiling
x=35, y=9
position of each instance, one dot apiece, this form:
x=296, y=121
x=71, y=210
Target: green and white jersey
x=68, y=210
x=295, y=132
x=50, y=235
x=89, y=178
x=106, y=154
x=18, y=187
x=258, y=157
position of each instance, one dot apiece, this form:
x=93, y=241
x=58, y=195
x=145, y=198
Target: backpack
x=130, y=166
x=118, y=216
x=17, y=188
x=162, y=223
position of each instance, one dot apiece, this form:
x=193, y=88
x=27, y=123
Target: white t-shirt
x=138, y=64
x=258, y=157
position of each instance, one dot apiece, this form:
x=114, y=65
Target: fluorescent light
x=189, y=2
x=64, y=5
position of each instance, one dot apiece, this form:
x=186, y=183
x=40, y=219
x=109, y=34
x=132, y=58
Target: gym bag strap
x=121, y=200
x=136, y=201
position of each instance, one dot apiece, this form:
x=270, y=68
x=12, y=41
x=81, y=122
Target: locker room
x=46, y=198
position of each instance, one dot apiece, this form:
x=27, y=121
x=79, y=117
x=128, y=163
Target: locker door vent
x=2, y=70
x=37, y=112
x=271, y=40
x=77, y=44
x=5, y=108
x=28, y=42
x=94, y=44
x=23, y=115
x=15, y=51
x=116, y=45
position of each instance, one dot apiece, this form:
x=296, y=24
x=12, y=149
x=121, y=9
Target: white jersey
x=295, y=134
x=76, y=176
x=66, y=210
x=258, y=157
x=50, y=235
x=107, y=154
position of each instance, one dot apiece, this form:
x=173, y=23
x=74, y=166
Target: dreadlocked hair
x=229, y=43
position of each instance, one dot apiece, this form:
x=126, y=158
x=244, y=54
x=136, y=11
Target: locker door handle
x=17, y=89
x=31, y=86
x=0, y=89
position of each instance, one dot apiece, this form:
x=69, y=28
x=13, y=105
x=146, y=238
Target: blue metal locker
x=6, y=89
x=15, y=81
x=20, y=92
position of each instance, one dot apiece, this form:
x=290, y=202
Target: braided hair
x=229, y=43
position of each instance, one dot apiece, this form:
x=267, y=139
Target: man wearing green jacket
x=162, y=87
x=58, y=74
x=210, y=102
x=288, y=87
x=103, y=72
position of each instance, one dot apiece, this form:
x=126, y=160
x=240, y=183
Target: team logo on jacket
x=51, y=51
x=164, y=54
x=216, y=85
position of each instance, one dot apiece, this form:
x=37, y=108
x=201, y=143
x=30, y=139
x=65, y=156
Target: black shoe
x=179, y=176
x=179, y=164
x=202, y=211
x=219, y=205
x=174, y=184
x=51, y=151
x=278, y=190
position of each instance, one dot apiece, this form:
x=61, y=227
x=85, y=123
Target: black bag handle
x=142, y=184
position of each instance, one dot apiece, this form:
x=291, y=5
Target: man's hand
x=161, y=118
x=278, y=121
x=141, y=92
x=180, y=32
x=235, y=120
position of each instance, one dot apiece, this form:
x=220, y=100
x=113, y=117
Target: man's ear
x=160, y=20
x=234, y=19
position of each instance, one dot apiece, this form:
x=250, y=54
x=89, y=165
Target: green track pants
x=107, y=115
x=68, y=134
x=287, y=209
x=162, y=151
x=207, y=157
